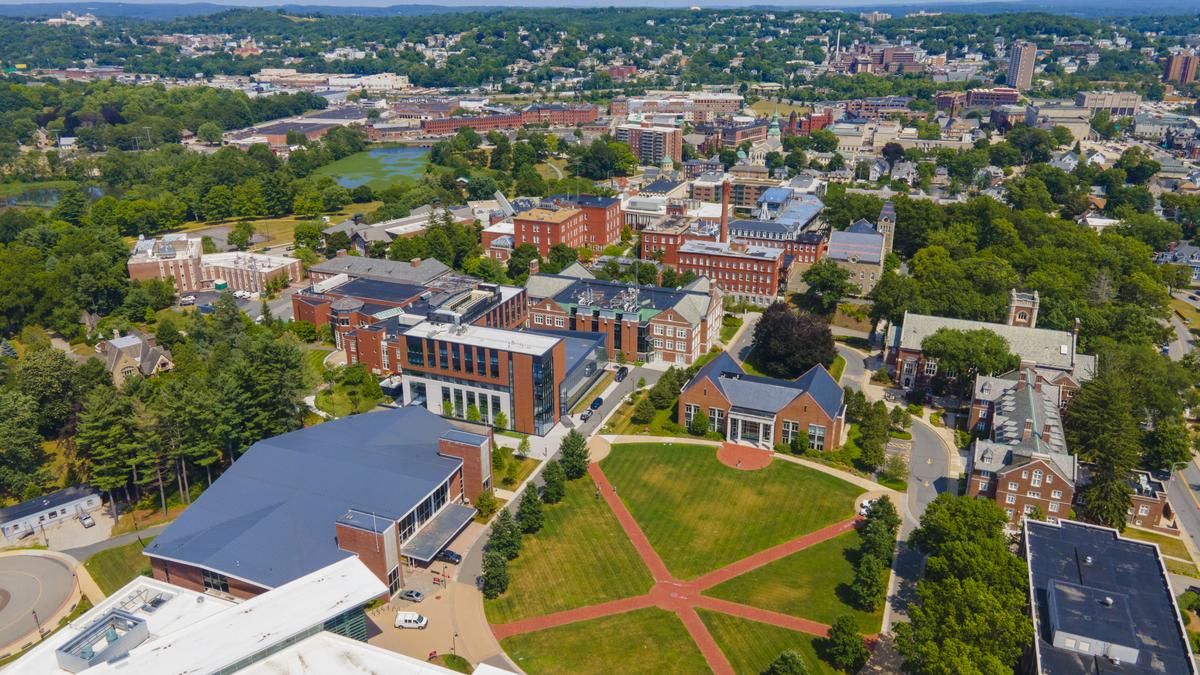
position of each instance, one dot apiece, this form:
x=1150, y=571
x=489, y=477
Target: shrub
x=495, y=575
x=487, y=505
x=529, y=513
x=500, y=421
x=699, y=424
x=844, y=645
x=555, y=483
x=644, y=412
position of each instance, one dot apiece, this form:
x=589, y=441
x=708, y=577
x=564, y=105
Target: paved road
x=84, y=552
x=740, y=348
x=29, y=584
x=1184, y=500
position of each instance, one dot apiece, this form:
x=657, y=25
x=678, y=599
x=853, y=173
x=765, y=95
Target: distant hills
x=172, y=10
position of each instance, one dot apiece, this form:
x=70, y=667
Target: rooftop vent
x=1088, y=561
x=1108, y=601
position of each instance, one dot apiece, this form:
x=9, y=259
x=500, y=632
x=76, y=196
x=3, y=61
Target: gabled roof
x=770, y=395
x=270, y=518
x=1042, y=346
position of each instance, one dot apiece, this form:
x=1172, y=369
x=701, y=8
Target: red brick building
x=763, y=411
x=555, y=114
x=652, y=143
x=601, y=217
x=992, y=98
x=750, y=273
x=546, y=226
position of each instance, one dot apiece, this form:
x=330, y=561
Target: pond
x=47, y=197
x=377, y=167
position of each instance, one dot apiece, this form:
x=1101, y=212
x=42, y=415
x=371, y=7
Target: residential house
x=137, y=353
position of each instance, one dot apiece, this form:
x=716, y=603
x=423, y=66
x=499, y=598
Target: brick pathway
x=683, y=597
x=743, y=457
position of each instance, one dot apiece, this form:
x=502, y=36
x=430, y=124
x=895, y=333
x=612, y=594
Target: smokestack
x=725, y=211
x=533, y=266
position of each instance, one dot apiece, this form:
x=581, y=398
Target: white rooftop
x=247, y=261
x=329, y=654
x=197, y=633
x=480, y=336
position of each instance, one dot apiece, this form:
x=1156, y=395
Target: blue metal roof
x=768, y=394
x=270, y=517
x=775, y=195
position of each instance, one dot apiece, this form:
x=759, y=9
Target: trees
x=967, y=353
x=240, y=235
x=555, y=487
x=574, y=452
x=699, y=425
x=209, y=132
x=20, y=445
x=845, y=646
x=529, y=513
x=788, y=343
x=495, y=575
x=506, y=536
x=518, y=263
x=664, y=392
x=643, y=411
x=874, y=435
x=827, y=283
x=787, y=663
x=500, y=420
x=869, y=583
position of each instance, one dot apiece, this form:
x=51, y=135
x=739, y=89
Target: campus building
x=181, y=259
x=787, y=220
x=652, y=143
x=601, y=217
x=862, y=248
x=1021, y=58
x=1051, y=353
x=642, y=323
x=763, y=411
x=1100, y=603
x=390, y=488
x=554, y=114
x=22, y=520
x=752, y=274
x=548, y=225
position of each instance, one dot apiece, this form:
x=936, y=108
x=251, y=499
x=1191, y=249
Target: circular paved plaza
x=30, y=583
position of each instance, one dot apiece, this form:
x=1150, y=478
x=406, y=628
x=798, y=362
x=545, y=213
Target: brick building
x=391, y=488
x=601, y=217
x=643, y=323
x=750, y=273
x=1181, y=67
x=554, y=114
x=762, y=411
x=651, y=143
x=1022, y=463
x=547, y=225
x=180, y=259
x=992, y=98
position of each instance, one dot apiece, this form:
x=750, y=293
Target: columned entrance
x=751, y=430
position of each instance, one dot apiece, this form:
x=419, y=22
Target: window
x=1053, y=507
x=1056, y=494
x=930, y=367
x=671, y=344
x=984, y=485
x=1012, y=485
x=1009, y=512
x=1143, y=510
x=689, y=411
x=215, y=581
x=1037, y=478
x=394, y=580
x=658, y=330
x=1029, y=509
x=790, y=430
x=1034, y=494
x=681, y=332
x=716, y=419
x=558, y=322
x=658, y=343
x=1049, y=478
x=816, y=436
x=1024, y=474
x=537, y=318
x=1010, y=499
x=670, y=331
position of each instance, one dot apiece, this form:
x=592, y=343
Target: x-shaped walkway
x=683, y=597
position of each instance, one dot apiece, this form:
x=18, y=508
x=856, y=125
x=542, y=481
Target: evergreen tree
x=495, y=575
x=869, y=584
x=20, y=445
x=699, y=425
x=574, y=455
x=104, y=436
x=506, y=536
x=529, y=513
x=556, y=483
x=643, y=412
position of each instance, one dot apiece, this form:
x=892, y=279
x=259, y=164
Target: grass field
x=750, y=646
x=342, y=400
x=729, y=326
x=16, y=189
x=1169, y=545
x=813, y=584
x=314, y=366
x=663, y=423
x=650, y=641
x=380, y=167
x=605, y=380
x=580, y=557
x=1186, y=311
x=701, y=515
x=838, y=367
x=765, y=107
x=116, y=567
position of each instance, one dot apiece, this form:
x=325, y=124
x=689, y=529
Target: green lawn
x=839, y=365
x=651, y=641
x=605, y=380
x=580, y=557
x=750, y=646
x=342, y=400
x=1169, y=545
x=314, y=366
x=513, y=469
x=380, y=166
x=701, y=515
x=729, y=326
x=813, y=584
x=116, y=567
x=17, y=188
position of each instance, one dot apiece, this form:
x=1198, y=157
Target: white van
x=411, y=620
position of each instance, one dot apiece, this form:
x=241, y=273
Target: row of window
x=671, y=331
x=539, y=320
x=716, y=422
x=722, y=264
x=670, y=344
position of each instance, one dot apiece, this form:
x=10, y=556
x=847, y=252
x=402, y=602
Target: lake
x=377, y=167
x=47, y=197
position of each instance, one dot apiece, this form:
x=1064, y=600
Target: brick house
x=548, y=225
x=1022, y=463
x=391, y=488
x=763, y=411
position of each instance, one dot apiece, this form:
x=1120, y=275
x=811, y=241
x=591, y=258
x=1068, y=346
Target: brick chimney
x=533, y=266
x=341, y=253
x=1027, y=431
x=415, y=262
x=1046, y=432
x=725, y=211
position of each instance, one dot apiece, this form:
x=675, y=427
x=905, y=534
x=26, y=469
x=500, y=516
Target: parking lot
x=68, y=533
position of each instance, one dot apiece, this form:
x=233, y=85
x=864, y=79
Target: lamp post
x=454, y=643
x=38, y=623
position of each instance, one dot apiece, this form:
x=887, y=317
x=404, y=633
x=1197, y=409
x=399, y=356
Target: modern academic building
x=390, y=488
x=764, y=411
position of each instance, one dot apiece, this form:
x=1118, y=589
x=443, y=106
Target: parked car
x=448, y=556
x=587, y=415
x=207, y=308
x=597, y=403
x=622, y=373
x=411, y=595
x=187, y=301
x=411, y=620
x=241, y=295
x=86, y=520
x=865, y=507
